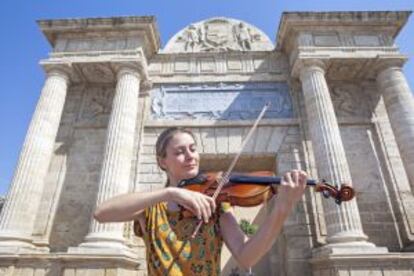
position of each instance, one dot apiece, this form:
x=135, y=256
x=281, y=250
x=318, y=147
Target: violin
x=255, y=188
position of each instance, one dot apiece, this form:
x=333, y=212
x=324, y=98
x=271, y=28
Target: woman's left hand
x=292, y=188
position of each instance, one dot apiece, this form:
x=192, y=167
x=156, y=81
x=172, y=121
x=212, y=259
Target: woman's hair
x=165, y=137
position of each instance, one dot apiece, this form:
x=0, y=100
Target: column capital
x=384, y=64
x=138, y=68
x=309, y=65
x=60, y=69
x=133, y=68
x=302, y=65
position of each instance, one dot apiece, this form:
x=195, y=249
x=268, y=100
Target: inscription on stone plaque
x=221, y=101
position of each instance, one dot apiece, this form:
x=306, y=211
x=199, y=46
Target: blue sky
x=23, y=45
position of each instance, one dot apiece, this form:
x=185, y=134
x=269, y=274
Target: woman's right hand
x=202, y=206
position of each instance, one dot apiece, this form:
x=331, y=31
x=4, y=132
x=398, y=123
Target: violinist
x=166, y=232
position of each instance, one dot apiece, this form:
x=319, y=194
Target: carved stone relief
x=96, y=106
x=217, y=35
x=345, y=69
x=349, y=100
x=220, y=101
x=97, y=72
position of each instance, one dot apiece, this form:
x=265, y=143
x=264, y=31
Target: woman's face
x=182, y=159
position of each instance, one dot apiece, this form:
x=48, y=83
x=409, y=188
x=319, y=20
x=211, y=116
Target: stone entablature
x=101, y=68
x=336, y=29
x=353, y=44
x=196, y=67
x=88, y=35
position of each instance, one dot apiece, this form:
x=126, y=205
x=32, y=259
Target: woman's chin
x=192, y=173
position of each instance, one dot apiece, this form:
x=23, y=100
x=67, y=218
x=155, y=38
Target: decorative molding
x=235, y=63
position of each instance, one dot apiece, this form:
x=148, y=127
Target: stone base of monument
x=401, y=264
x=67, y=264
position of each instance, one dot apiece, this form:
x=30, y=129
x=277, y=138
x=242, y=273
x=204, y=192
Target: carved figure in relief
x=156, y=107
x=243, y=36
x=204, y=44
x=218, y=35
x=99, y=104
x=349, y=101
x=192, y=38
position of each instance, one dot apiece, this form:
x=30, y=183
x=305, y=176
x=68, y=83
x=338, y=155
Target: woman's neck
x=171, y=182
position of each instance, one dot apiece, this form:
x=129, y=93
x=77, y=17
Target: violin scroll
x=344, y=193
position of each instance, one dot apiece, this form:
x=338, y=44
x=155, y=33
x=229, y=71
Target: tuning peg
x=326, y=193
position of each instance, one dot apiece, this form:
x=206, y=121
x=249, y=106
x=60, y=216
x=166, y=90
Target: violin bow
x=225, y=177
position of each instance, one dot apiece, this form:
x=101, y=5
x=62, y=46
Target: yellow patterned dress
x=167, y=231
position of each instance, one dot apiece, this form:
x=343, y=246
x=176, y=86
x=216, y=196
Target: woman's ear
x=161, y=163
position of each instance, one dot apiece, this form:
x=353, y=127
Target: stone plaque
x=221, y=101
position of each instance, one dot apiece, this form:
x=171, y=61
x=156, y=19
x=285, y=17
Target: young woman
x=166, y=233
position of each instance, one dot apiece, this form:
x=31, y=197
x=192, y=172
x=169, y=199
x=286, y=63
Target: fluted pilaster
x=116, y=167
x=343, y=221
x=399, y=103
x=20, y=209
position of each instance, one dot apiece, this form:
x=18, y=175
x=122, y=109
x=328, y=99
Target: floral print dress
x=167, y=232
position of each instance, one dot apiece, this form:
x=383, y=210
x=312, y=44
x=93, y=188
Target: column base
x=104, y=244
x=12, y=243
x=351, y=248
x=103, y=249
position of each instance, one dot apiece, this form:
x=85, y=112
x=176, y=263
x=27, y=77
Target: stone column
x=20, y=209
x=116, y=167
x=344, y=229
x=399, y=103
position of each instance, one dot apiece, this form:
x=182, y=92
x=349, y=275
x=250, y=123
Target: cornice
x=293, y=21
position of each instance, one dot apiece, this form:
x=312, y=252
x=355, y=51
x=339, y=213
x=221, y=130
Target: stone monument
x=341, y=109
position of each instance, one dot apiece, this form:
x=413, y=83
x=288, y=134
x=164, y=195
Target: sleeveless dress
x=167, y=232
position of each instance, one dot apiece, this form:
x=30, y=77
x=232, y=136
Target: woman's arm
x=248, y=252
x=128, y=206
